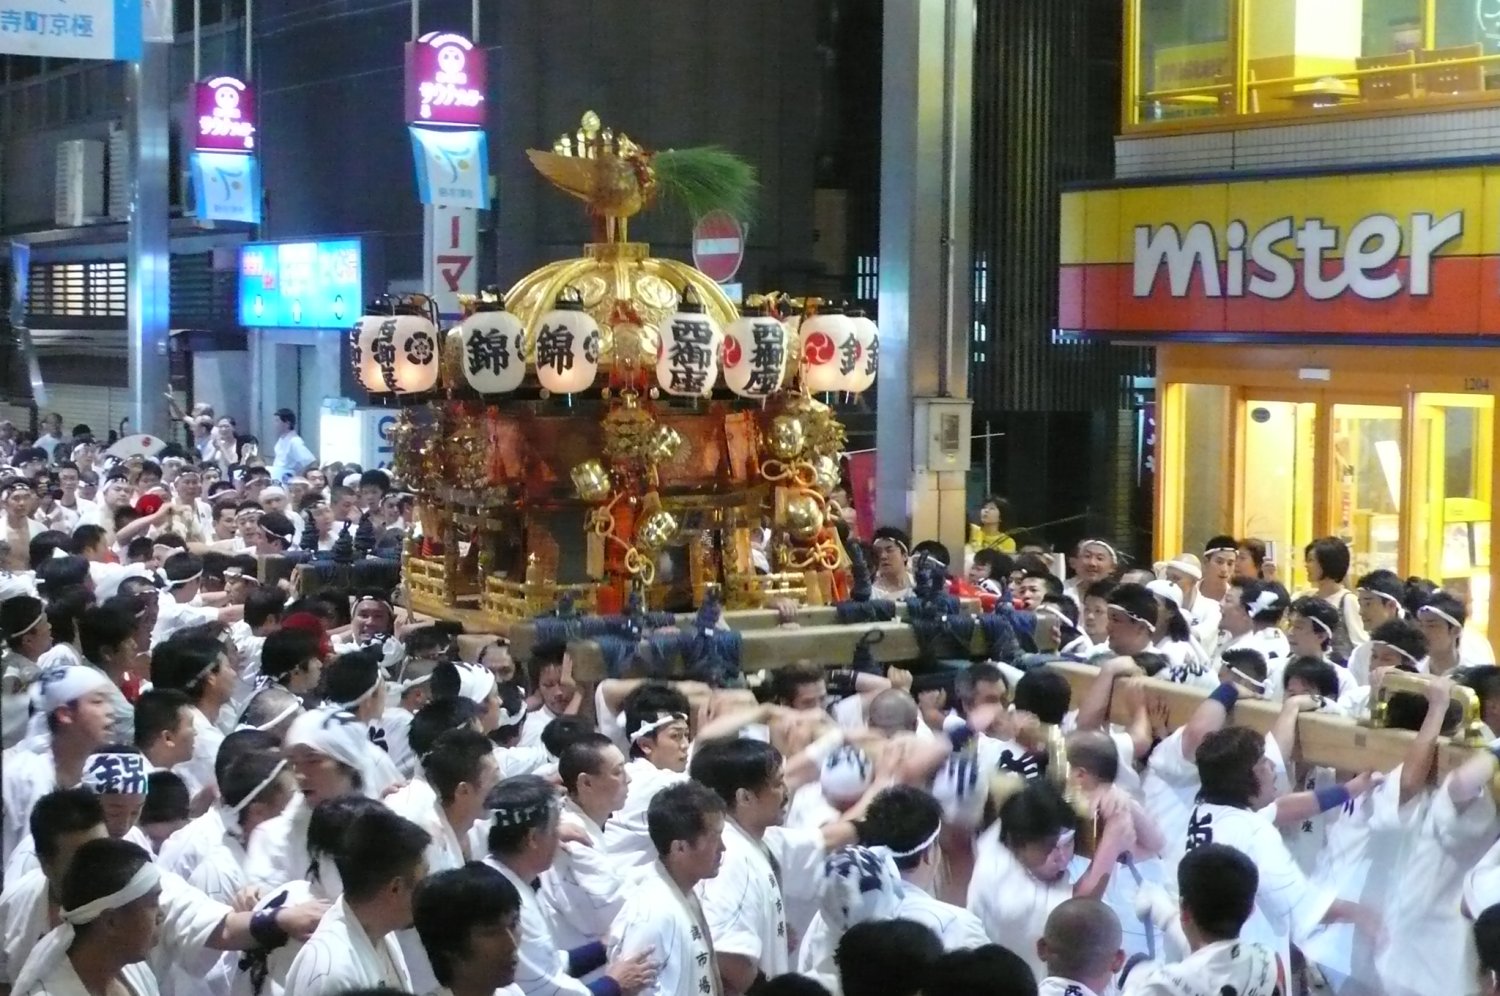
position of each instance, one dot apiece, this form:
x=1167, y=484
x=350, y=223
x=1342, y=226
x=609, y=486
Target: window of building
x=1205, y=59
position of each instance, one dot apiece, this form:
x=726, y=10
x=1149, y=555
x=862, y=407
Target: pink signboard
x=223, y=116
x=445, y=82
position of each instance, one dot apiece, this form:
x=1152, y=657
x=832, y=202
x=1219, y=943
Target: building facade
x=1303, y=225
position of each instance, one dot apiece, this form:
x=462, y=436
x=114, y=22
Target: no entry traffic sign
x=718, y=245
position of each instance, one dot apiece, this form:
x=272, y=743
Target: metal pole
x=989, y=459
x=197, y=40
x=474, y=21
x=149, y=291
x=249, y=34
x=416, y=19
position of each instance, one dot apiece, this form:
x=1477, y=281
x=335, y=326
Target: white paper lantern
x=494, y=357
x=755, y=355
x=687, y=360
x=827, y=351
x=567, y=346
x=867, y=355
x=372, y=344
x=417, y=345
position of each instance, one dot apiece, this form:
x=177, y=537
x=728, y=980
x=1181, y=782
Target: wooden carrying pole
x=1330, y=741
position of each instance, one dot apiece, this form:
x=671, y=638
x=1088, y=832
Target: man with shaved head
x=1081, y=948
x=893, y=711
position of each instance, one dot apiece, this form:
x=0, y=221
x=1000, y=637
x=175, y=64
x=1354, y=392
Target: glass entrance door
x=1452, y=475
x=1276, y=481
x=1366, y=496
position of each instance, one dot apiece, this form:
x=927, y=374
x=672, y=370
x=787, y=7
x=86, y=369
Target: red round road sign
x=718, y=245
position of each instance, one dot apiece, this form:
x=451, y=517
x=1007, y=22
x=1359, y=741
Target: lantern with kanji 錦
x=687, y=362
x=755, y=354
x=867, y=354
x=493, y=356
x=828, y=350
x=567, y=346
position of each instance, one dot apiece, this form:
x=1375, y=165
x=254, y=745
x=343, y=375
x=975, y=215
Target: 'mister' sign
x=1262, y=264
x=1413, y=253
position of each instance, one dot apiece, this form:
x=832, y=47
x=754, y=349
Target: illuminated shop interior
x=1392, y=449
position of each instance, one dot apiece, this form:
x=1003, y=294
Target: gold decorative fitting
x=787, y=438
x=592, y=481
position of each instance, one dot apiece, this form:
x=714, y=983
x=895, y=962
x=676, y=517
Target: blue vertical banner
x=71, y=29
x=226, y=186
x=452, y=166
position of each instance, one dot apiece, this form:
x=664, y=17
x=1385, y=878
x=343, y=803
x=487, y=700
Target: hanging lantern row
x=837, y=352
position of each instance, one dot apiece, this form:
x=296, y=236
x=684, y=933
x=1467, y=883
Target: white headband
x=1387, y=596
x=402, y=687
x=142, y=882
x=178, y=584
x=1259, y=686
x=1403, y=653
x=1190, y=569
x=661, y=721
x=1131, y=615
x=1100, y=543
x=1048, y=609
x=1220, y=549
x=475, y=683
x=365, y=695
x=30, y=626
x=1433, y=610
x=270, y=724
x=1321, y=625
x=920, y=847
x=250, y=796
x=61, y=685
x=1267, y=599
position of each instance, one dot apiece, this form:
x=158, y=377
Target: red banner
x=862, y=492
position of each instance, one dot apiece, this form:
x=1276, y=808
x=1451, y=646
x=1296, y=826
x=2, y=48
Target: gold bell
x=664, y=443
x=591, y=480
x=656, y=531
x=803, y=517
x=787, y=437
x=826, y=475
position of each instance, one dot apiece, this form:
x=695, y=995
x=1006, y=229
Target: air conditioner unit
x=119, y=174
x=79, y=191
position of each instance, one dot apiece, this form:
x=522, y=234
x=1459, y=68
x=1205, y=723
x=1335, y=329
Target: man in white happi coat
x=469, y=920
x=662, y=914
x=185, y=849
x=523, y=840
x=656, y=727
x=860, y=885
x=1217, y=886
x=331, y=755
x=1447, y=830
x=78, y=718
x=911, y=820
x=1236, y=806
x=201, y=667
x=764, y=863
x=380, y=863
x=255, y=787
x=109, y=908
x=583, y=891
x=117, y=775
x=461, y=770
x=191, y=922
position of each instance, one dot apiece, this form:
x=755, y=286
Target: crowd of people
x=210, y=788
